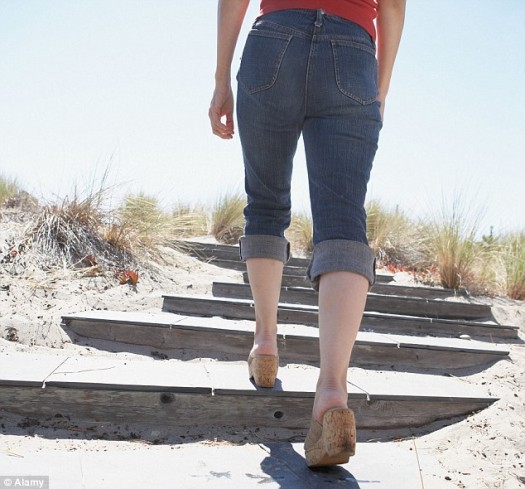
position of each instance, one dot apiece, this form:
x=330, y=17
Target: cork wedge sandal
x=333, y=441
x=263, y=369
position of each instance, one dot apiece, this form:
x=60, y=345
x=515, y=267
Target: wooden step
x=210, y=251
x=227, y=256
x=298, y=272
x=100, y=389
x=390, y=288
x=408, y=306
x=307, y=315
x=296, y=343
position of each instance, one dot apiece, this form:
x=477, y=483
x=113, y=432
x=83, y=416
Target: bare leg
x=342, y=298
x=265, y=275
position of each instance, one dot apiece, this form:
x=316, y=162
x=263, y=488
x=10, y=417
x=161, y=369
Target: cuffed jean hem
x=337, y=255
x=264, y=246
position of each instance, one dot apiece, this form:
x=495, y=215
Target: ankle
x=264, y=343
x=328, y=398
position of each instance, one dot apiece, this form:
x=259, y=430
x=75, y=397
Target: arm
x=230, y=17
x=390, y=20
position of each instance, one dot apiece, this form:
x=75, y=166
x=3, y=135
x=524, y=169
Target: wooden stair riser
x=370, y=322
x=389, y=288
x=175, y=410
x=291, y=349
x=375, y=302
x=222, y=252
x=299, y=272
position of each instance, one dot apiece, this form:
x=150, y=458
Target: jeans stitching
x=353, y=43
x=276, y=67
x=280, y=28
x=337, y=63
x=313, y=45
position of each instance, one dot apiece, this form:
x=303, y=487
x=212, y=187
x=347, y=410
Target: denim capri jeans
x=310, y=73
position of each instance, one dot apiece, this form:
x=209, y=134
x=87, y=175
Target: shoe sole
x=337, y=442
x=263, y=370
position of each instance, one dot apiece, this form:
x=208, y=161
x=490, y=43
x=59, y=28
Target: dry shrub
x=14, y=199
x=301, y=233
x=8, y=189
x=452, y=243
x=138, y=226
x=395, y=238
x=227, y=218
x=68, y=233
x=487, y=269
x=513, y=248
x=188, y=221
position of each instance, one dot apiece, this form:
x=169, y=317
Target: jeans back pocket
x=261, y=59
x=355, y=70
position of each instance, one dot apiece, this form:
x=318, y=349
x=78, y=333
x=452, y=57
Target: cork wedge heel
x=263, y=369
x=333, y=441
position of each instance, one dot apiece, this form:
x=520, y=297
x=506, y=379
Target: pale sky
x=87, y=82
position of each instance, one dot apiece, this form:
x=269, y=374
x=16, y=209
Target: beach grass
x=513, y=246
x=301, y=233
x=188, y=221
x=227, y=218
x=86, y=230
x=138, y=222
x=9, y=188
x=397, y=240
x=68, y=232
x=452, y=242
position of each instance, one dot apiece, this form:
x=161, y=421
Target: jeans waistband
x=309, y=23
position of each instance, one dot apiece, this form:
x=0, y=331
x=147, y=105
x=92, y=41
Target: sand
x=486, y=450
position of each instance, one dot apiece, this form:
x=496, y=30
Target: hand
x=222, y=106
x=381, y=107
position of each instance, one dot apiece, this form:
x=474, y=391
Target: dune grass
x=70, y=232
x=85, y=231
x=452, y=242
x=513, y=247
x=301, y=233
x=397, y=240
x=9, y=188
x=227, y=218
x=138, y=222
x=188, y=221
x=67, y=233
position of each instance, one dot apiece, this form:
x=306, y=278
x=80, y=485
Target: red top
x=362, y=12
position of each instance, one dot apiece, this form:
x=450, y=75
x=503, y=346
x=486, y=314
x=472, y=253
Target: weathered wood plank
x=208, y=376
x=408, y=306
x=213, y=252
x=241, y=267
x=390, y=288
x=88, y=390
x=31, y=374
x=372, y=321
x=136, y=375
x=296, y=343
x=178, y=410
x=227, y=256
x=288, y=270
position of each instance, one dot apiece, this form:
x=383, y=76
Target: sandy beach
x=485, y=450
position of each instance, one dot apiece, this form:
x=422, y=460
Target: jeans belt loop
x=319, y=19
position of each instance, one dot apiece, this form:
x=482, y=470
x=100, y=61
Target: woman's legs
x=342, y=297
x=270, y=113
x=265, y=275
x=340, y=135
x=287, y=86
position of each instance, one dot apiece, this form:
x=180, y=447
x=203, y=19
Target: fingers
x=221, y=112
x=219, y=128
